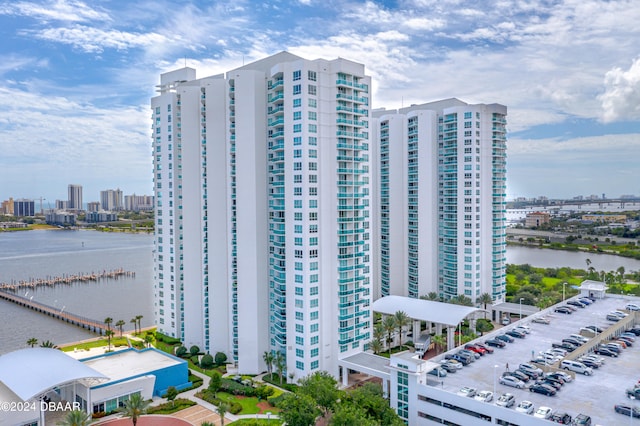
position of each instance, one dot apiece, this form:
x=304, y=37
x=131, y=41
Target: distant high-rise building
x=75, y=197
x=7, y=206
x=24, y=207
x=442, y=200
x=138, y=202
x=111, y=199
x=94, y=206
x=263, y=211
x=62, y=204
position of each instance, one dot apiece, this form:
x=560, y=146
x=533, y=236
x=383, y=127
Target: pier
x=66, y=279
x=87, y=323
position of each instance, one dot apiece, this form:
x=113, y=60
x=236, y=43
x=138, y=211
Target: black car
x=464, y=360
x=589, y=363
x=495, y=343
x=557, y=381
x=594, y=328
x=563, y=310
x=635, y=330
x=601, y=350
x=564, y=345
x=556, y=376
x=627, y=410
x=572, y=341
x=560, y=417
x=517, y=374
x=542, y=389
x=575, y=303
x=514, y=333
x=549, y=382
x=505, y=338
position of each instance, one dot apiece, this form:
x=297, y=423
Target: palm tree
x=108, y=321
x=461, y=299
x=620, y=271
x=402, y=320
x=432, y=295
x=389, y=324
x=379, y=332
x=48, y=344
x=109, y=334
x=135, y=407
x=135, y=325
x=485, y=299
x=148, y=338
x=32, y=342
x=138, y=319
x=376, y=346
x=222, y=410
x=280, y=364
x=120, y=324
x=76, y=418
x=268, y=358
x=439, y=342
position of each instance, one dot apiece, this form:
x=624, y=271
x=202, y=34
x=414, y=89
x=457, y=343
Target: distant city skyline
x=77, y=78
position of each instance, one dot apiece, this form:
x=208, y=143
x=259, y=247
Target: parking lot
x=593, y=395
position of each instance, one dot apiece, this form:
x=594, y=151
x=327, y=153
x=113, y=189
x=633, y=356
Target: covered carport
x=441, y=314
x=363, y=362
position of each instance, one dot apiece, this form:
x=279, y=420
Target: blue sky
x=77, y=78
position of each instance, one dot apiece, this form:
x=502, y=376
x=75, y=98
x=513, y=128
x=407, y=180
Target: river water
x=40, y=254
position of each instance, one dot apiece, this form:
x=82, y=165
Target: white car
x=452, y=362
x=632, y=307
x=467, y=391
x=484, y=396
x=525, y=407
x=512, y=381
x=506, y=400
x=543, y=413
x=541, y=320
x=523, y=328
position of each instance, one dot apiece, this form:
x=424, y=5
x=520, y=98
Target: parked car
x=581, y=420
x=633, y=393
x=541, y=320
x=589, y=363
x=629, y=335
x=476, y=349
x=473, y=355
x=564, y=345
x=576, y=367
x=550, y=382
x=450, y=367
x=462, y=360
x=576, y=303
x=572, y=341
x=517, y=374
x=525, y=407
x=515, y=333
x=580, y=338
x=627, y=410
x=593, y=329
x=561, y=417
x=562, y=375
x=616, y=347
x=614, y=318
x=626, y=340
x=543, y=413
x=523, y=327
x=603, y=350
x=586, y=300
x=563, y=310
x=632, y=307
x=558, y=351
x=484, y=396
x=506, y=400
x=635, y=330
x=555, y=376
x=438, y=372
x=467, y=391
x=496, y=343
x=486, y=348
x=505, y=338
x=542, y=389
x=512, y=381
x=528, y=367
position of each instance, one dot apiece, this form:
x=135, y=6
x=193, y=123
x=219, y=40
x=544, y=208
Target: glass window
x=297, y=89
x=297, y=102
x=297, y=75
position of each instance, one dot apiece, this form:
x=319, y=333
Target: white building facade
x=75, y=197
x=263, y=211
x=441, y=212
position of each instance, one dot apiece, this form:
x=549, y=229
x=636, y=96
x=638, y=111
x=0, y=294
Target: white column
x=451, y=337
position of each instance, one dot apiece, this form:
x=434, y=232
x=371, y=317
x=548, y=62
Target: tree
x=376, y=346
x=48, y=344
x=206, y=361
x=215, y=382
x=483, y=326
x=298, y=410
x=171, y=394
x=120, y=324
x=389, y=324
x=148, y=338
x=32, y=342
x=135, y=325
x=369, y=397
x=222, y=409
x=139, y=321
x=349, y=415
x=485, y=299
x=194, y=350
x=402, y=320
x=109, y=334
x=108, y=321
x=76, y=418
x=268, y=359
x=322, y=387
x=439, y=342
x=221, y=358
x=181, y=351
x=135, y=407
x=281, y=364
x=432, y=295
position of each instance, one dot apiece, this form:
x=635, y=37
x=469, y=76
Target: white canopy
x=424, y=310
x=34, y=371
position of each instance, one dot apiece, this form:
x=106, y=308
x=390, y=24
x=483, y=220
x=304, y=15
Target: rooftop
x=592, y=395
x=424, y=310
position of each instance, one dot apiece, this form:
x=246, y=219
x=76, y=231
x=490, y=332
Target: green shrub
x=234, y=407
x=181, y=351
x=275, y=400
x=206, y=361
x=169, y=407
x=221, y=358
x=235, y=388
x=194, y=350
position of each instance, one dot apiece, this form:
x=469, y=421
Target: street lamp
x=563, y=284
x=521, y=299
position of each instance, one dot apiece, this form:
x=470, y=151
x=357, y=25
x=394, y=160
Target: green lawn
x=258, y=422
x=249, y=404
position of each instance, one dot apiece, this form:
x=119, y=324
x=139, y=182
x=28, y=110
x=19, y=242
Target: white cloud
x=621, y=99
x=59, y=10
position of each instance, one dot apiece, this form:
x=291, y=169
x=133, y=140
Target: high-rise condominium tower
x=111, y=199
x=262, y=211
x=442, y=184
x=75, y=197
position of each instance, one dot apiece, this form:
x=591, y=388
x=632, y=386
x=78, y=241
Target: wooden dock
x=87, y=323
